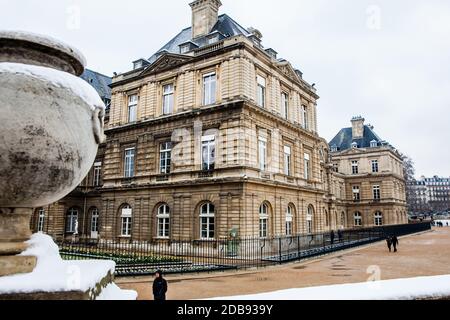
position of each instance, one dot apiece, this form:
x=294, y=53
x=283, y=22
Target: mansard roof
x=99, y=81
x=225, y=26
x=344, y=139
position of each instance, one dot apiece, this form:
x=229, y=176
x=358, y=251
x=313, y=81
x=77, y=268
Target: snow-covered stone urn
x=51, y=123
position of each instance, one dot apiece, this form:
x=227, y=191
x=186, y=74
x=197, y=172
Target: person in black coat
x=159, y=287
x=332, y=237
x=389, y=243
x=395, y=243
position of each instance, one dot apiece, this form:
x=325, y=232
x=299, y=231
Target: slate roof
x=99, y=81
x=225, y=26
x=344, y=139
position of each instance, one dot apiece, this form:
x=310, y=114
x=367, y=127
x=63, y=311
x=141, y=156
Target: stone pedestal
x=14, y=231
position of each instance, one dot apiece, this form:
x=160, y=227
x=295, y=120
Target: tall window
x=376, y=193
x=378, y=219
x=375, y=166
x=357, y=217
x=309, y=220
x=126, y=221
x=163, y=218
x=97, y=173
x=263, y=220
x=285, y=105
x=209, y=89
x=72, y=221
x=208, y=153
x=168, y=100
x=262, y=153
x=165, y=155
x=132, y=107
x=355, y=167
x=287, y=160
x=261, y=91
x=305, y=117
x=307, y=166
x=289, y=220
x=343, y=219
x=41, y=219
x=129, y=162
x=207, y=221
x=356, y=193
x=94, y=220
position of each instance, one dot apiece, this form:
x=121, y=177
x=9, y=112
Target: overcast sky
x=386, y=60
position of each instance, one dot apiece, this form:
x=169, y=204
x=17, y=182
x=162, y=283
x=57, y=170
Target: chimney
x=358, y=127
x=205, y=14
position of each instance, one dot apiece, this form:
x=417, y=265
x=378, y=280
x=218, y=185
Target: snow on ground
x=58, y=78
x=52, y=274
x=400, y=289
x=113, y=292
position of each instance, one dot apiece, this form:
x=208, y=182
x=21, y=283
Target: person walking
x=395, y=243
x=159, y=287
x=332, y=237
x=340, y=235
x=389, y=243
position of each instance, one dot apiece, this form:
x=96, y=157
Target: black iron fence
x=183, y=256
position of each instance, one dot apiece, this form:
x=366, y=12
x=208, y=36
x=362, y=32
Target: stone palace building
x=214, y=134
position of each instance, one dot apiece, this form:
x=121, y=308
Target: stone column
x=14, y=231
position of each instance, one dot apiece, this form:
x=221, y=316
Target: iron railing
x=183, y=256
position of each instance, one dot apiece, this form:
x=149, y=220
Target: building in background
x=214, y=134
x=368, y=175
x=430, y=195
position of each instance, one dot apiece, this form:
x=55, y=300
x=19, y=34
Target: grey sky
x=385, y=60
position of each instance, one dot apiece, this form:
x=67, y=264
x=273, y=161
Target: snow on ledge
x=399, y=289
x=52, y=274
x=78, y=86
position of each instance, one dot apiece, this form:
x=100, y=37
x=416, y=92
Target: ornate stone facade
x=218, y=136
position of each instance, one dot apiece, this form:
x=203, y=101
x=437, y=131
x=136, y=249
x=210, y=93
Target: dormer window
x=354, y=145
x=373, y=144
x=185, y=48
x=140, y=63
x=213, y=39
x=334, y=148
x=137, y=64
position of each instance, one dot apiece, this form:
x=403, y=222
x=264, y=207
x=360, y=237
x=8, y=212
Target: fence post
x=279, y=249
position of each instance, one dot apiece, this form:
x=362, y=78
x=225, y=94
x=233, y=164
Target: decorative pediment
x=353, y=151
x=287, y=69
x=165, y=62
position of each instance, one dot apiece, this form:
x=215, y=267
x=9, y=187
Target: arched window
x=72, y=221
x=343, y=219
x=126, y=217
x=309, y=219
x=378, y=219
x=357, y=217
x=263, y=220
x=289, y=220
x=41, y=220
x=207, y=221
x=163, y=218
x=94, y=222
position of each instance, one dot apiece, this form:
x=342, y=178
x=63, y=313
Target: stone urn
x=51, y=126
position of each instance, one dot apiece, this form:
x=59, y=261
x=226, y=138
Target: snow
x=78, y=86
x=52, y=274
x=45, y=41
x=399, y=289
x=113, y=292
